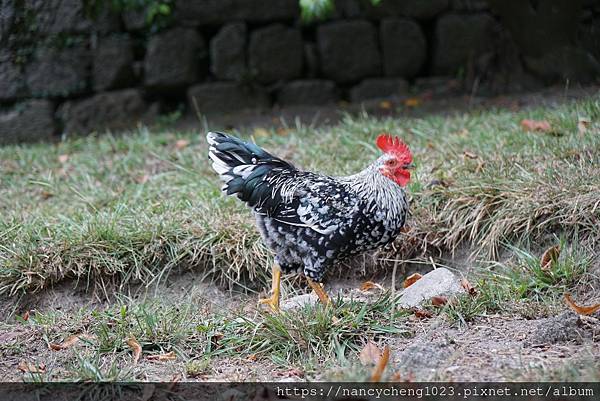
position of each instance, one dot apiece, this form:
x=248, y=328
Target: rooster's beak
x=409, y=166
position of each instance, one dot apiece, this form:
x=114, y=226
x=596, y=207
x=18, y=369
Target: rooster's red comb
x=392, y=144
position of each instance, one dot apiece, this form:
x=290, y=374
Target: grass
x=520, y=285
x=132, y=209
x=304, y=338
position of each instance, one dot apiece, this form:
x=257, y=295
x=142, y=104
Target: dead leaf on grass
x=28, y=367
x=136, y=348
x=536, y=125
x=291, y=373
x=439, y=300
x=385, y=104
x=549, y=258
x=468, y=287
x=410, y=280
x=423, y=314
x=381, y=364
x=581, y=310
x=142, y=179
x=370, y=354
x=583, y=124
x=62, y=159
x=470, y=155
x=181, y=144
x=26, y=316
x=369, y=285
x=412, y=102
x=169, y=356
x=69, y=342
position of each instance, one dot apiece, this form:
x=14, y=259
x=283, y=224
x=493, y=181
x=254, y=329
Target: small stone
x=299, y=302
x=377, y=88
x=27, y=122
x=438, y=282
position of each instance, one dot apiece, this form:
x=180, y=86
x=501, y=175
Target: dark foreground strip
x=200, y=391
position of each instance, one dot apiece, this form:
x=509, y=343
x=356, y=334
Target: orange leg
x=318, y=289
x=273, y=300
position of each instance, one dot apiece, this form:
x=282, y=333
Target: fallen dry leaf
x=28, y=367
x=439, y=300
x=581, y=310
x=142, y=179
x=26, y=316
x=369, y=285
x=252, y=358
x=583, y=124
x=282, y=131
x=370, y=354
x=410, y=280
x=136, y=347
x=549, y=258
x=381, y=364
x=468, y=287
x=47, y=195
x=412, y=102
x=385, y=104
x=169, y=356
x=290, y=373
x=536, y=125
x=69, y=342
x=63, y=159
x=181, y=144
x=470, y=155
x=423, y=314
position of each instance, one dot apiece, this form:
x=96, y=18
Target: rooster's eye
x=391, y=163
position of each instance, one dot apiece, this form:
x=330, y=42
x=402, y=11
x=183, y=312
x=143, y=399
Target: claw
x=273, y=303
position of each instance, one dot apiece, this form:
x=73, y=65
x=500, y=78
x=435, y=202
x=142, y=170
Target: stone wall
x=68, y=68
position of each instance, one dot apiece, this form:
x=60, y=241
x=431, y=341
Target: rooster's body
x=311, y=220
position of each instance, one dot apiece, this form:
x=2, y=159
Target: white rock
x=438, y=282
x=299, y=301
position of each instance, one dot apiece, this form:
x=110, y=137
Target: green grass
x=520, y=285
x=133, y=209
x=303, y=338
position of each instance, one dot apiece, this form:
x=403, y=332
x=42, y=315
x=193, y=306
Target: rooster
x=310, y=220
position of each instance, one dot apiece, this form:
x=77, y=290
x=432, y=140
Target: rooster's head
x=397, y=159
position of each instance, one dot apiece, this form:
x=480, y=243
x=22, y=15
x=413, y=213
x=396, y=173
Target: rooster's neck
x=377, y=190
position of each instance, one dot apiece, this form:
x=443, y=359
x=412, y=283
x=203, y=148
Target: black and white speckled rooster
x=310, y=220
